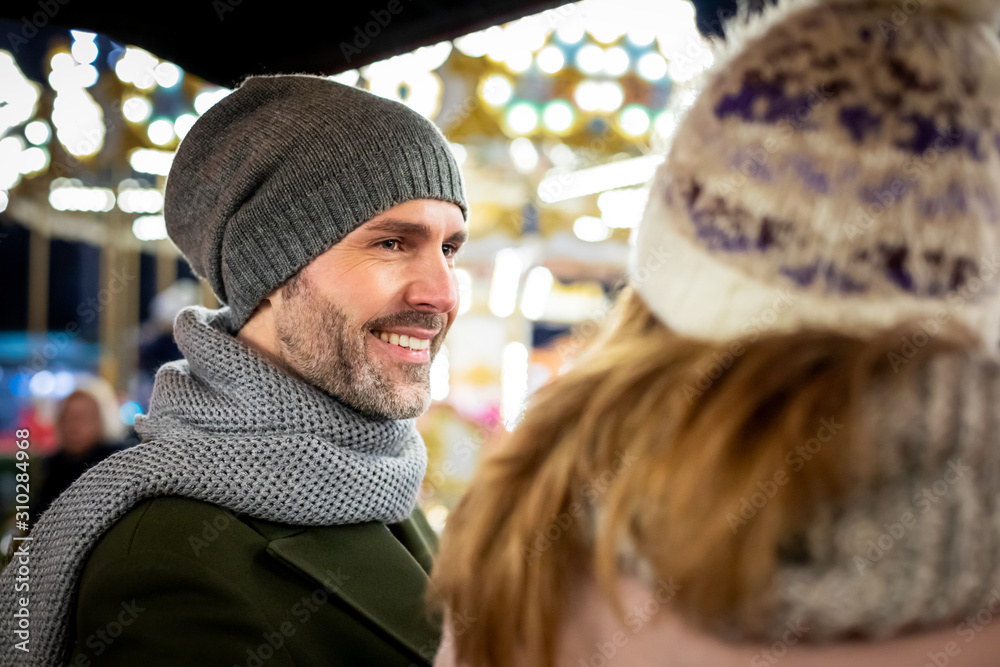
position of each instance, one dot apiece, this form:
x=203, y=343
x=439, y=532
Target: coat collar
x=368, y=567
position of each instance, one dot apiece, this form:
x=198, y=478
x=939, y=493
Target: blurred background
x=558, y=117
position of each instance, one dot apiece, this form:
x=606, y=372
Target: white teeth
x=407, y=342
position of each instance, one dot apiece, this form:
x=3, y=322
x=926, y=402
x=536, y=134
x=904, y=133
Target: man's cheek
x=439, y=339
x=450, y=319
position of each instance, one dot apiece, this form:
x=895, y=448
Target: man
x=269, y=517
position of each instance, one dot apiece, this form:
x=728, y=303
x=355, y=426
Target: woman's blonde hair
x=646, y=453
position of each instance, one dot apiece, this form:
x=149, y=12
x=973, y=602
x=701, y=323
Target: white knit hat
x=840, y=169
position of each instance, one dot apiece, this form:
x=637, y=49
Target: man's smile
x=409, y=344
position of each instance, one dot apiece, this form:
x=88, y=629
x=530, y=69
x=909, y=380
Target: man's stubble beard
x=317, y=342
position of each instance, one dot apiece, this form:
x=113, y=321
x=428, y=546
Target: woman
x=788, y=435
x=85, y=439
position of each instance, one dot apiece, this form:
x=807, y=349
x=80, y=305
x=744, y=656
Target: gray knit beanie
x=286, y=166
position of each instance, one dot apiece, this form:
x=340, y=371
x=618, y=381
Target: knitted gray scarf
x=226, y=427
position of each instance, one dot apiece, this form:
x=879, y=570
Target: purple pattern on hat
x=834, y=279
x=815, y=180
x=848, y=172
x=859, y=121
x=803, y=275
x=894, y=264
x=934, y=259
x=926, y=135
x=715, y=237
x=746, y=160
x=859, y=207
x=894, y=261
x=910, y=77
x=721, y=228
x=780, y=105
x=891, y=40
x=766, y=238
x=963, y=269
x=970, y=139
x=988, y=199
x=884, y=193
x=768, y=233
x=952, y=201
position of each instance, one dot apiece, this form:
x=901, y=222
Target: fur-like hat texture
x=839, y=169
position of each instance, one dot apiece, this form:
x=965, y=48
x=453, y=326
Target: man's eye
x=390, y=244
x=449, y=250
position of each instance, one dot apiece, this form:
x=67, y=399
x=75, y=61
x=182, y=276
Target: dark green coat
x=181, y=583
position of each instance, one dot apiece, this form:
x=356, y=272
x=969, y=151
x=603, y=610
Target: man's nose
x=433, y=286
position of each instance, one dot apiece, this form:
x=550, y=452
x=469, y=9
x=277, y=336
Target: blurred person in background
x=789, y=434
x=84, y=438
x=269, y=515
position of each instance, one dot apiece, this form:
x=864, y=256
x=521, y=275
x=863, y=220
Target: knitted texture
x=283, y=168
x=920, y=547
x=228, y=428
x=844, y=155
x=840, y=169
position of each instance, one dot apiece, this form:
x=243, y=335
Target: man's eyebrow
x=408, y=228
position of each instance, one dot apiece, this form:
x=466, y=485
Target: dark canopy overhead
x=224, y=40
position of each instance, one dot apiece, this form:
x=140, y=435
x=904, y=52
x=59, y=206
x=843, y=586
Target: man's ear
x=261, y=318
x=273, y=299
x=281, y=293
